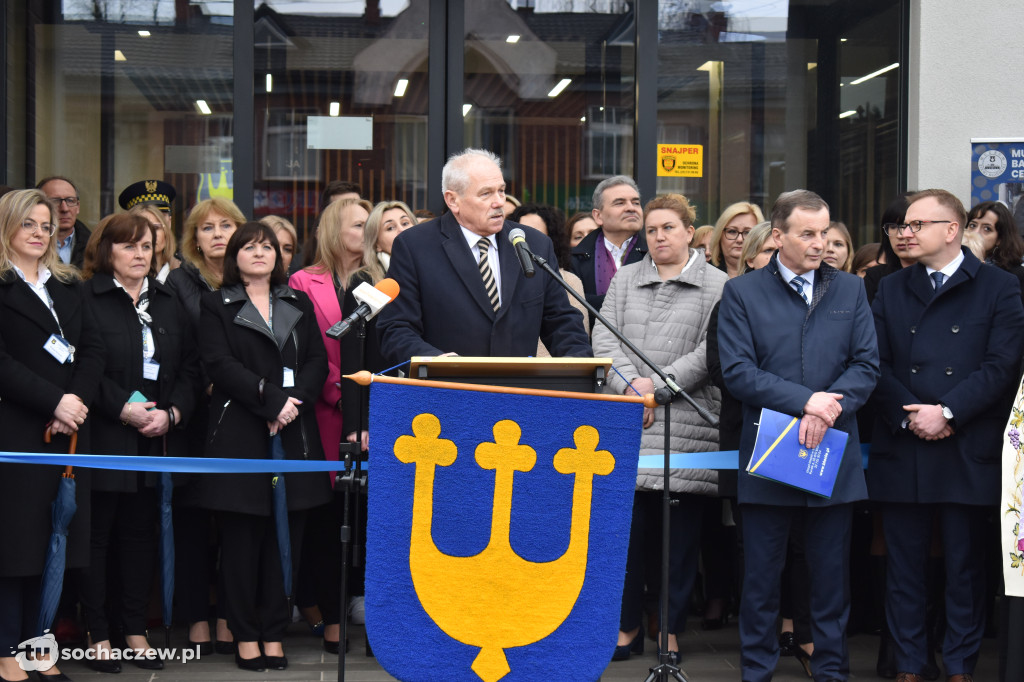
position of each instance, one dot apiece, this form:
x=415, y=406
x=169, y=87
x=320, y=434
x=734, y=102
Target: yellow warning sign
x=680, y=160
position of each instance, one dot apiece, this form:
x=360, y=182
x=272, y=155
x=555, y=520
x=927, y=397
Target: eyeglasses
x=31, y=226
x=70, y=202
x=731, y=233
x=914, y=226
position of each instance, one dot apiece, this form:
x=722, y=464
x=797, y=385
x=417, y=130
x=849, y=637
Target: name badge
x=289, y=378
x=59, y=348
x=150, y=370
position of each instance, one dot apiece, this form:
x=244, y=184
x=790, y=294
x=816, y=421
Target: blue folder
x=778, y=455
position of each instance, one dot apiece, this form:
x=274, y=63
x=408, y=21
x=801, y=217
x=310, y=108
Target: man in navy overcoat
x=796, y=337
x=445, y=305
x=950, y=335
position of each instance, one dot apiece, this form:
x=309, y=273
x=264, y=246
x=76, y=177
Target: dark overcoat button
x=913, y=330
x=955, y=329
x=949, y=371
x=913, y=370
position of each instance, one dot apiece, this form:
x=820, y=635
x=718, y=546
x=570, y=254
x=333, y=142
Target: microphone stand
x=352, y=482
x=666, y=669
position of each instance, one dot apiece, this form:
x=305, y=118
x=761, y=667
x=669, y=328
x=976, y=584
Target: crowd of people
x=137, y=338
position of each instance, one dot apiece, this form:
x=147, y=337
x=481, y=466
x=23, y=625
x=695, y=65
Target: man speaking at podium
x=463, y=290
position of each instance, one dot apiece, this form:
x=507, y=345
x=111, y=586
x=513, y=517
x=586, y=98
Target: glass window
x=776, y=94
x=549, y=87
x=341, y=95
x=124, y=91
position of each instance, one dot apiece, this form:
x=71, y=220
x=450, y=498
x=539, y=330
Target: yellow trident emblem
x=460, y=594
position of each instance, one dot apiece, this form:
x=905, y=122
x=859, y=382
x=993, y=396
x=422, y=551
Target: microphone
x=371, y=300
x=518, y=238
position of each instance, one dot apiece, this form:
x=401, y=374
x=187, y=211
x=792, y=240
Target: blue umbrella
x=284, y=542
x=166, y=490
x=62, y=511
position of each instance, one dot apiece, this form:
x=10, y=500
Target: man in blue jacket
x=796, y=337
x=950, y=336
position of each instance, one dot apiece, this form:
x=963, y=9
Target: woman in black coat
x=144, y=332
x=204, y=241
x=261, y=346
x=41, y=306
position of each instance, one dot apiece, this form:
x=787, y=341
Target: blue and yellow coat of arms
x=498, y=528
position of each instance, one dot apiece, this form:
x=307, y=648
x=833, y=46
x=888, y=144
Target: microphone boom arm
x=672, y=391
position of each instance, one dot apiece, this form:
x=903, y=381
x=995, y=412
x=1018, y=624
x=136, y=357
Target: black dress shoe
x=255, y=665
x=277, y=662
x=204, y=648
x=104, y=666
x=224, y=648
x=334, y=647
x=622, y=651
x=147, y=663
x=56, y=677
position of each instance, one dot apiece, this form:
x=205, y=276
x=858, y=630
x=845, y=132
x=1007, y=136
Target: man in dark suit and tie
x=463, y=290
x=796, y=337
x=950, y=335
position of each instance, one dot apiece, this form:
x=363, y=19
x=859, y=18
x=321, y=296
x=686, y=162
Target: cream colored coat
x=668, y=321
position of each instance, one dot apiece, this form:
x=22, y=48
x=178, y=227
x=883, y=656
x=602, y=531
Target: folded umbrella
x=284, y=542
x=166, y=492
x=62, y=511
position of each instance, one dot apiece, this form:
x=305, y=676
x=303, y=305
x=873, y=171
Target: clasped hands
x=69, y=414
x=820, y=414
x=643, y=386
x=927, y=423
x=288, y=414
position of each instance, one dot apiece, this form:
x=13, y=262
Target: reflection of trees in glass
x=125, y=11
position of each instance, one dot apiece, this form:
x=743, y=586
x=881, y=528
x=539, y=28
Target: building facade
x=264, y=102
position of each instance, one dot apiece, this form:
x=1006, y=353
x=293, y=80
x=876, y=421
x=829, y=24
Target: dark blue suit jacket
x=960, y=346
x=776, y=351
x=443, y=307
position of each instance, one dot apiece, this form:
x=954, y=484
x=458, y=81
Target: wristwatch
x=947, y=413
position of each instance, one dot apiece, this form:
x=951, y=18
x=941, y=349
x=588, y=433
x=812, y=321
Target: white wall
x=965, y=82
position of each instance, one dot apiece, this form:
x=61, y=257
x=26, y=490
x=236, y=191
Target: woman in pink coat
x=342, y=264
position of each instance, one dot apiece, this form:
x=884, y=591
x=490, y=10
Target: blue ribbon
x=727, y=459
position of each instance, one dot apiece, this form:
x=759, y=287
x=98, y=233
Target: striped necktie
x=798, y=283
x=485, y=272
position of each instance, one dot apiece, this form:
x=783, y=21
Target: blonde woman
x=51, y=364
x=387, y=220
x=204, y=242
x=166, y=245
x=286, y=235
x=731, y=229
x=344, y=260
x=758, y=247
x=838, y=247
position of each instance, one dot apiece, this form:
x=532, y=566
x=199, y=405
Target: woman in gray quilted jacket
x=662, y=304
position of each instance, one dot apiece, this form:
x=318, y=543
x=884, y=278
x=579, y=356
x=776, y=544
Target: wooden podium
x=581, y=375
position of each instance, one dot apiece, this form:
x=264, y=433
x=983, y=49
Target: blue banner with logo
x=498, y=529
x=997, y=174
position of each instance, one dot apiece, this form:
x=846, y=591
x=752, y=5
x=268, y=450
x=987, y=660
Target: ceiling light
x=203, y=107
x=562, y=85
x=847, y=114
x=119, y=56
x=513, y=39
x=466, y=108
x=871, y=75
x=400, y=87
x=270, y=83
x=335, y=108
x=145, y=34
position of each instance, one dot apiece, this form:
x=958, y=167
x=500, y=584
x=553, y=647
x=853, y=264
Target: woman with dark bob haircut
x=261, y=346
x=146, y=396
x=1004, y=247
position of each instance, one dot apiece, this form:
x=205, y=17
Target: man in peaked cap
x=148, y=192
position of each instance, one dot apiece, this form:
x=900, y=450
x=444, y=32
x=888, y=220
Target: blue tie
x=937, y=279
x=798, y=283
